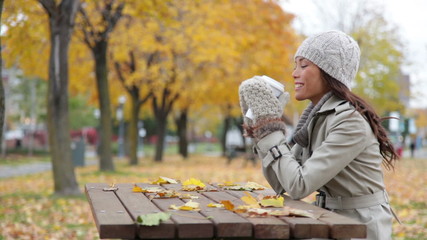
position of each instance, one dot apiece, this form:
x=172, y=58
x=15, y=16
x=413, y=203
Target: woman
x=339, y=143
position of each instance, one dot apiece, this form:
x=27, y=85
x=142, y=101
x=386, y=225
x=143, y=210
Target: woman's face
x=309, y=83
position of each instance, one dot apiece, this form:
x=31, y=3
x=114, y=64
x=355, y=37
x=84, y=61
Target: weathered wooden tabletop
x=115, y=213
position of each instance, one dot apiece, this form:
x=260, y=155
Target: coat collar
x=332, y=104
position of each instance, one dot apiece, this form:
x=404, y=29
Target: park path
x=38, y=167
x=90, y=159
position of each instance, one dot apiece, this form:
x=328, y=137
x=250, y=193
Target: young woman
x=339, y=143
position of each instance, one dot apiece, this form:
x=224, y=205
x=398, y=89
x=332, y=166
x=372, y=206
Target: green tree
x=81, y=114
x=379, y=71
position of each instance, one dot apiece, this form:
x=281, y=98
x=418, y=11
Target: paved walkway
x=32, y=168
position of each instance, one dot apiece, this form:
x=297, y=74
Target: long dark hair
x=386, y=146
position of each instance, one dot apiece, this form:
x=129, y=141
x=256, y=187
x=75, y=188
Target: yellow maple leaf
x=215, y=205
x=227, y=184
x=250, y=200
x=164, y=180
x=188, y=206
x=227, y=205
x=272, y=202
x=136, y=189
x=193, y=181
x=191, y=188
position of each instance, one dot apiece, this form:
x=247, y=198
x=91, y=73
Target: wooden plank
x=138, y=204
x=264, y=228
x=340, y=226
x=188, y=224
x=300, y=227
x=227, y=224
x=111, y=217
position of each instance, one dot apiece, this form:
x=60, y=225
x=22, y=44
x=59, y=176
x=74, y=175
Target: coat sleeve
x=345, y=140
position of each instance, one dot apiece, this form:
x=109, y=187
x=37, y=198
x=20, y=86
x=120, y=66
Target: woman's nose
x=295, y=73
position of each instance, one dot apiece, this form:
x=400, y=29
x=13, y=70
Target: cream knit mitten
x=267, y=109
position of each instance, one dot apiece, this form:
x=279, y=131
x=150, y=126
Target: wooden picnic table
x=115, y=213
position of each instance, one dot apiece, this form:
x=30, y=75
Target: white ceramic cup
x=277, y=87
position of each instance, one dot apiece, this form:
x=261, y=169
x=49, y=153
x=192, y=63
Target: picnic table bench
x=115, y=213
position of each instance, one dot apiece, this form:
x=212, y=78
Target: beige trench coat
x=342, y=159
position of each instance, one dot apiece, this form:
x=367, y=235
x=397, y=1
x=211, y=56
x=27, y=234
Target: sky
x=410, y=16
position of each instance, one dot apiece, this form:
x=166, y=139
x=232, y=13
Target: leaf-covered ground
x=29, y=211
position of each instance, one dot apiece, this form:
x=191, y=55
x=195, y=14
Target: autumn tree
x=61, y=18
x=261, y=41
x=125, y=69
x=97, y=19
x=32, y=45
x=135, y=60
x=149, y=68
x=2, y=106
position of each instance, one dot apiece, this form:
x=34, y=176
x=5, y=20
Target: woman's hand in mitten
x=257, y=95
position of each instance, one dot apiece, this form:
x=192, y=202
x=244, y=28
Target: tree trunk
x=2, y=105
x=227, y=124
x=161, y=111
x=133, y=130
x=61, y=21
x=105, y=153
x=181, y=123
x=161, y=133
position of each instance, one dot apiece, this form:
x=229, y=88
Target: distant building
x=404, y=89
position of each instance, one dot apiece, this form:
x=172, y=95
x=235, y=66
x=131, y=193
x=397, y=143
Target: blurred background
x=166, y=73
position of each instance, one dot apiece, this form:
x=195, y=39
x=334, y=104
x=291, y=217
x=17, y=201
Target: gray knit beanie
x=334, y=52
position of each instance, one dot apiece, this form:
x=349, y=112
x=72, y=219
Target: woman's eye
x=303, y=66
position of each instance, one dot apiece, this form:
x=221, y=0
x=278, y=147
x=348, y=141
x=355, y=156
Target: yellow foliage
x=250, y=201
x=193, y=181
x=272, y=201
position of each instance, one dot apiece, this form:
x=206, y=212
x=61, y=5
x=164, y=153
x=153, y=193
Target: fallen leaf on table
x=146, y=190
x=136, y=188
x=249, y=200
x=272, y=201
x=300, y=212
x=187, y=196
x=112, y=187
x=282, y=212
x=227, y=184
x=152, y=219
x=228, y=205
x=249, y=186
x=188, y=206
x=258, y=212
x=166, y=194
x=254, y=186
x=165, y=180
x=215, y=205
x=193, y=184
x=152, y=190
